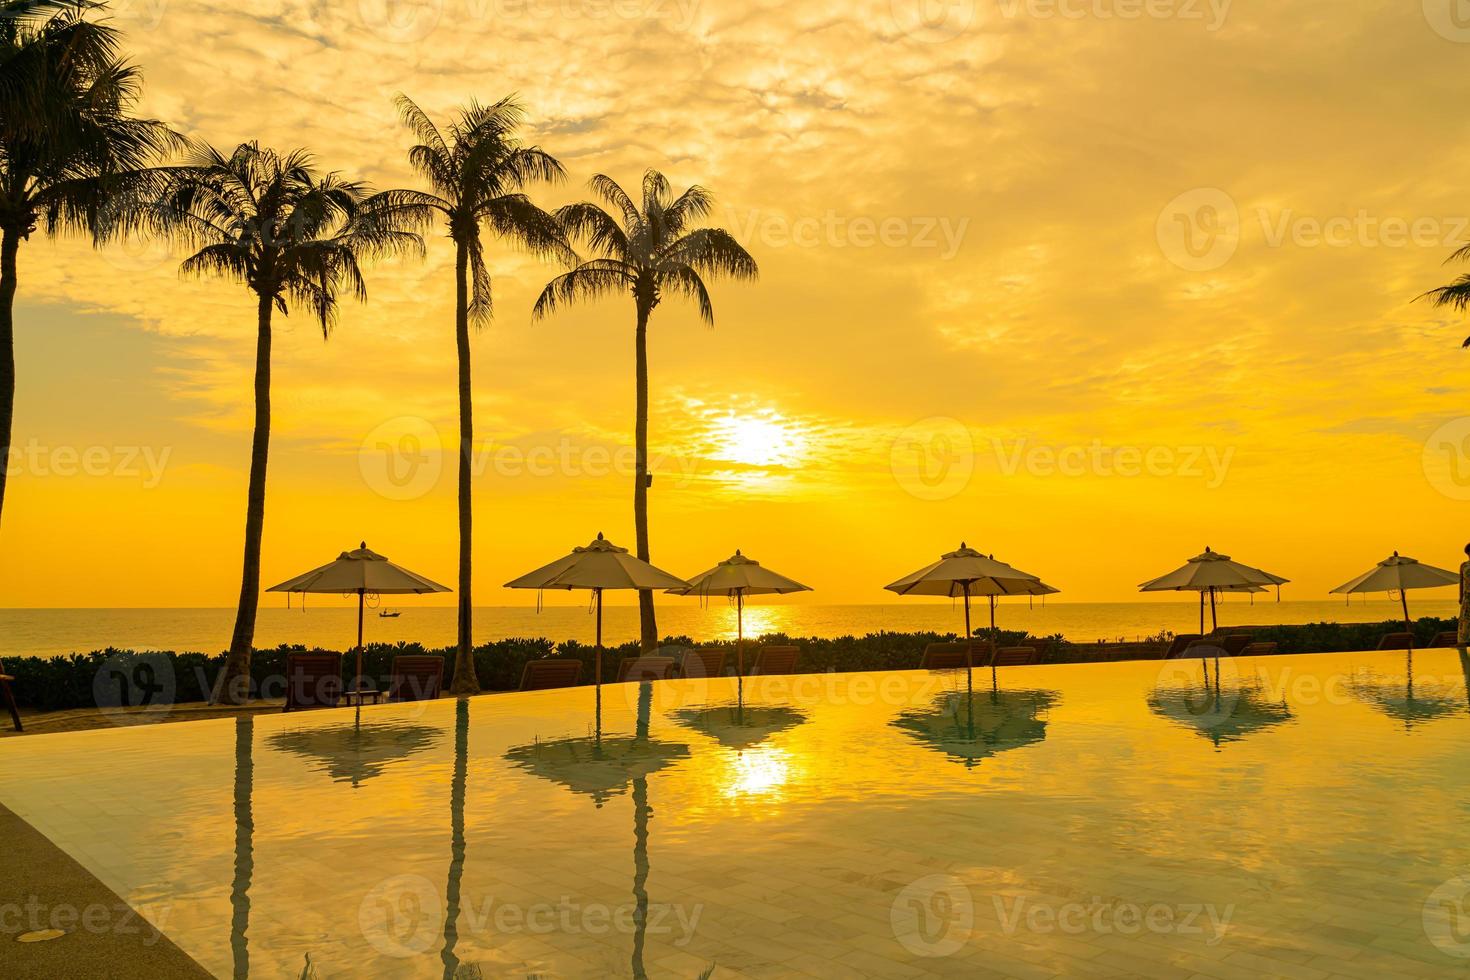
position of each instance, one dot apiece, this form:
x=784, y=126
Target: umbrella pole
x=1202, y=614
x=597, y=676
x=1408, y=626
x=739, y=644
x=969, y=644
x=994, y=646
x=1214, y=617
x=357, y=681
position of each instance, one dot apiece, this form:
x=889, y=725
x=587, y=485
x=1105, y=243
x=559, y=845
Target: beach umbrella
x=967, y=573
x=1398, y=573
x=738, y=577
x=365, y=573
x=1212, y=573
x=598, y=567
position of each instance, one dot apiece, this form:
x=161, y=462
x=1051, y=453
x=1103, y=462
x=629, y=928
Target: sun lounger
x=1446, y=639
x=704, y=662
x=313, y=680
x=775, y=660
x=646, y=669
x=551, y=672
x=1235, y=643
x=1205, y=646
x=9, y=697
x=1181, y=643
x=951, y=656
x=1263, y=649
x=1016, y=657
x=1396, y=641
x=416, y=679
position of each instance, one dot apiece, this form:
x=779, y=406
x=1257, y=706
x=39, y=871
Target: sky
x=1088, y=284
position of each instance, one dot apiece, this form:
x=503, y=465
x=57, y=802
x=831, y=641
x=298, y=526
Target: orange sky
x=1087, y=288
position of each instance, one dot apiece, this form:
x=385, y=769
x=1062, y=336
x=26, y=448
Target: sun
x=765, y=439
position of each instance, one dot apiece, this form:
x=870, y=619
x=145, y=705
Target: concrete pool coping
x=105, y=937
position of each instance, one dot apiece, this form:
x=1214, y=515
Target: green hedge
x=121, y=677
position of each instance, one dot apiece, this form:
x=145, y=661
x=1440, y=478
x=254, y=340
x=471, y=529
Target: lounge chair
x=775, y=660
x=551, y=672
x=646, y=669
x=1450, y=638
x=9, y=696
x=1235, y=643
x=1262, y=649
x=1042, y=648
x=1204, y=646
x=1181, y=643
x=416, y=679
x=704, y=662
x=1396, y=641
x=1016, y=657
x=313, y=680
x=951, y=656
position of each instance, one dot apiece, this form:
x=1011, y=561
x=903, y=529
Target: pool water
x=1283, y=816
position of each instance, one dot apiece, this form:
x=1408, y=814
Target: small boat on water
x=385, y=614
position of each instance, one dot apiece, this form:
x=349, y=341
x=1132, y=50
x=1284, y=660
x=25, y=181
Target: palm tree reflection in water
x=244, y=846
x=456, y=836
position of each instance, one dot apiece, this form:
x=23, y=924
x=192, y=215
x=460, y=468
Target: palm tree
x=477, y=171
x=1457, y=294
x=71, y=156
x=293, y=236
x=652, y=251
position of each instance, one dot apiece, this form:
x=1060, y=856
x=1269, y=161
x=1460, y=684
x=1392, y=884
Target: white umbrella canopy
x=599, y=566
x=365, y=573
x=738, y=577
x=1212, y=572
x=1400, y=573
x=966, y=573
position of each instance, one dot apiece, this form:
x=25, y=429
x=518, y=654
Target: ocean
x=328, y=622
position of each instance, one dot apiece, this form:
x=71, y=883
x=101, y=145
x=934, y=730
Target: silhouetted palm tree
x=1457, y=294
x=293, y=236
x=654, y=250
x=71, y=155
x=477, y=171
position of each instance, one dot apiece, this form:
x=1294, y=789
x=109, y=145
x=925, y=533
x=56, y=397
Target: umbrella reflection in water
x=354, y=753
x=1408, y=699
x=971, y=726
x=1219, y=705
x=603, y=767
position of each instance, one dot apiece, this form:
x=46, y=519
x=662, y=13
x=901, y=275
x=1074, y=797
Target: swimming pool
x=1295, y=816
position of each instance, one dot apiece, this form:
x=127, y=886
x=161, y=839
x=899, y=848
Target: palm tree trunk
x=465, y=681
x=9, y=247
x=233, y=686
x=649, y=625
